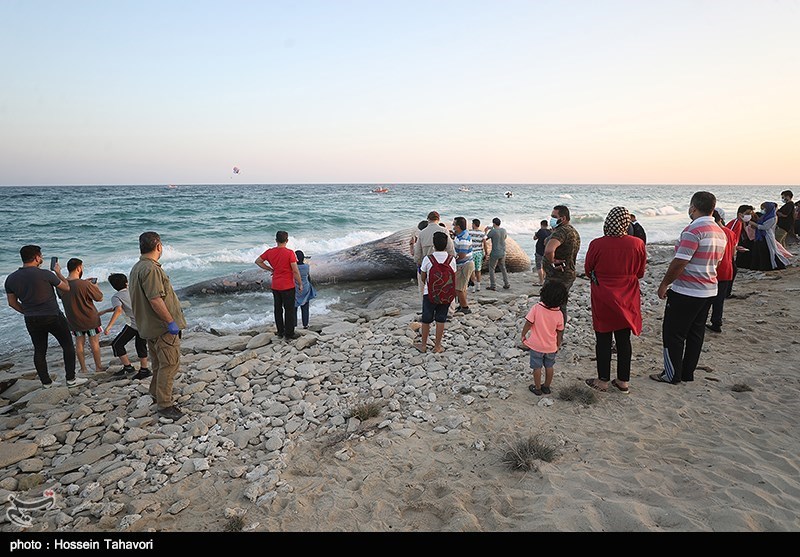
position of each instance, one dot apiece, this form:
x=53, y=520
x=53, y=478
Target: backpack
x=441, y=281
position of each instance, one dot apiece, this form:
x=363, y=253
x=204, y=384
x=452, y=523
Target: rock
x=273, y=443
x=205, y=342
x=128, y=521
x=89, y=456
x=306, y=341
x=545, y=402
x=46, y=397
x=259, y=340
x=339, y=328
x=31, y=465
x=31, y=480
x=45, y=439
x=178, y=506
x=193, y=388
x=11, y=453
x=135, y=434
x=200, y=464
x=240, y=359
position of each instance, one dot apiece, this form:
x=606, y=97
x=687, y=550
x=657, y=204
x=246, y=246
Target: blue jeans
x=39, y=328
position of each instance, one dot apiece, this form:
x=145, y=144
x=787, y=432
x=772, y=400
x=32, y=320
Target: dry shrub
x=580, y=393
x=523, y=453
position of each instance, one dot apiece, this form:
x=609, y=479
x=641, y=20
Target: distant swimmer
x=509, y=194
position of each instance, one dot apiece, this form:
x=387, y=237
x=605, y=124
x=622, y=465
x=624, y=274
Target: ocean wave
x=236, y=323
x=662, y=211
x=566, y=196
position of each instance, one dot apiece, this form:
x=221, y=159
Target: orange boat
x=380, y=190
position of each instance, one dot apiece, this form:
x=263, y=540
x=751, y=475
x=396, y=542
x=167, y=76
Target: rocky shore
x=272, y=433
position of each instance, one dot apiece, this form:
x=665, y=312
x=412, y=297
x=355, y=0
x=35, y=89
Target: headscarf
x=617, y=221
x=769, y=213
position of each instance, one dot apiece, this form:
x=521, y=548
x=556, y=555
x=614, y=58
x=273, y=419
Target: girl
x=545, y=322
x=302, y=299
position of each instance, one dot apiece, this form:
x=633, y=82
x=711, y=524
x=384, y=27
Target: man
x=541, y=237
x=423, y=247
x=561, y=251
x=635, y=229
x=82, y=316
x=785, y=228
x=282, y=263
x=724, y=273
x=160, y=319
x=465, y=264
x=479, y=251
x=29, y=291
x=497, y=256
x=689, y=286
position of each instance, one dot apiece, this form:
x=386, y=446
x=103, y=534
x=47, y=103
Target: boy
x=431, y=308
x=479, y=251
x=121, y=301
x=541, y=238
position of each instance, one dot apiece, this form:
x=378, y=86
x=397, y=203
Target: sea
x=214, y=230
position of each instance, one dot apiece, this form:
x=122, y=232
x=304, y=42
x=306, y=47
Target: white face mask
x=746, y=218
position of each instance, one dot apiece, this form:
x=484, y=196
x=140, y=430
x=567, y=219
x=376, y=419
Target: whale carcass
x=383, y=259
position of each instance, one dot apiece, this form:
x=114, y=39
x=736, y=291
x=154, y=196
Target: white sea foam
x=662, y=211
x=566, y=196
x=262, y=316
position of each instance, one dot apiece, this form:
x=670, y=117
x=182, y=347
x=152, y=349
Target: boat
x=172, y=187
x=463, y=188
x=380, y=190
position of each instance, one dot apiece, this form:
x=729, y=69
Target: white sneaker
x=77, y=381
x=477, y=287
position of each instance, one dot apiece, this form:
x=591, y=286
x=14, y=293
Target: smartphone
x=53, y=261
x=93, y=280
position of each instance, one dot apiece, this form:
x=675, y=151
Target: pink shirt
x=545, y=323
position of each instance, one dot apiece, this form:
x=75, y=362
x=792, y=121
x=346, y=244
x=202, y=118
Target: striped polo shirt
x=702, y=244
x=478, y=236
x=463, y=244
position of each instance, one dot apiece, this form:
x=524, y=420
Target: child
x=442, y=282
x=302, y=299
x=541, y=237
x=121, y=301
x=545, y=322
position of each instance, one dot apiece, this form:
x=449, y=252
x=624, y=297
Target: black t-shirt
x=34, y=290
x=786, y=222
x=541, y=235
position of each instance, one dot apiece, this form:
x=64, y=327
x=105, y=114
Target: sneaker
x=534, y=390
x=715, y=328
x=506, y=286
x=293, y=336
x=48, y=385
x=491, y=288
x=546, y=390
x=465, y=310
x=477, y=287
x=125, y=370
x=458, y=309
x=171, y=413
x=143, y=373
x=77, y=381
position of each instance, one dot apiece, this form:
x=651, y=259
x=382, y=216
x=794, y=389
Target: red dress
x=618, y=263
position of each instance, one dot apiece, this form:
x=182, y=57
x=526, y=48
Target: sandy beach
x=270, y=442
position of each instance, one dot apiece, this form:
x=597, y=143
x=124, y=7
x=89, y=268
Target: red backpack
x=441, y=281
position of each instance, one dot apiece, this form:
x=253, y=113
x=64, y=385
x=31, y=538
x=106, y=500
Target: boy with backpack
x=438, y=275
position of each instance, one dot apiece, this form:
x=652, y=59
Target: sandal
x=534, y=390
x=593, y=384
x=623, y=391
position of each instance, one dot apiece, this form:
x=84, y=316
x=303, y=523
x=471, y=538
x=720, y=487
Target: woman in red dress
x=615, y=262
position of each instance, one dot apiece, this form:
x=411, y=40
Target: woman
x=746, y=235
x=615, y=262
x=302, y=299
x=767, y=256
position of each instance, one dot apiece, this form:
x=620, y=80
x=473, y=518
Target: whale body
x=387, y=258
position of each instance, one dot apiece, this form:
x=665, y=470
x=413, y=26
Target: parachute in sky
x=236, y=170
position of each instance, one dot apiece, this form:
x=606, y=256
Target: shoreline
x=269, y=434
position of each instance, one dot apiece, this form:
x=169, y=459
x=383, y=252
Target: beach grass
x=365, y=411
x=523, y=454
x=578, y=393
x=234, y=524
x=741, y=388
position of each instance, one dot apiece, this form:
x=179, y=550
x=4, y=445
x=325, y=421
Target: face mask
x=746, y=218
x=553, y=222
x=690, y=215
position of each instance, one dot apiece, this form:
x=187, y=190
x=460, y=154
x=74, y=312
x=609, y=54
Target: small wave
x=235, y=323
x=663, y=211
x=566, y=196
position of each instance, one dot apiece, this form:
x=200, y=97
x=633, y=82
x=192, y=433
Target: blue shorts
x=431, y=311
x=538, y=359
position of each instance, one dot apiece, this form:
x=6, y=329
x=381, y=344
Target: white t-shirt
x=123, y=298
x=441, y=257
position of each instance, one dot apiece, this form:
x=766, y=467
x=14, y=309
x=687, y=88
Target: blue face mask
x=553, y=222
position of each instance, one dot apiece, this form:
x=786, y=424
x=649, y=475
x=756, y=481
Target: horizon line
x=403, y=184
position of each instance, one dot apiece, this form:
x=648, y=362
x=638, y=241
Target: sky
x=400, y=91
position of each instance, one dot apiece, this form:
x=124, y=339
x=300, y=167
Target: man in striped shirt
x=465, y=264
x=689, y=286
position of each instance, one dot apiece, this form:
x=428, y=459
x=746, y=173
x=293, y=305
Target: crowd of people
x=450, y=264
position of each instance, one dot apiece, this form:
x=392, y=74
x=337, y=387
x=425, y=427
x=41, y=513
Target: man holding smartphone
x=82, y=315
x=29, y=290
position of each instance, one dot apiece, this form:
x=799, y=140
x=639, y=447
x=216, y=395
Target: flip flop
x=624, y=391
x=591, y=383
